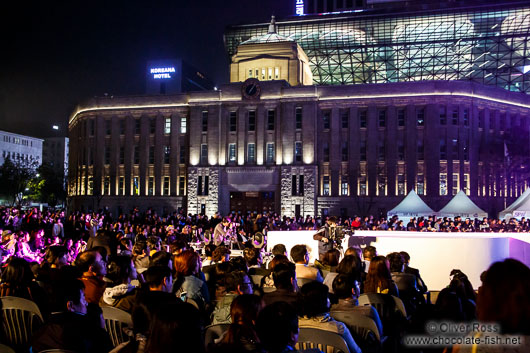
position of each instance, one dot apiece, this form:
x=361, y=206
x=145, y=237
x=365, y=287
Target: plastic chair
x=358, y=323
x=400, y=306
x=326, y=341
x=115, y=321
x=213, y=332
x=256, y=279
x=20, y=318
x=6, y=349
x=301, y=281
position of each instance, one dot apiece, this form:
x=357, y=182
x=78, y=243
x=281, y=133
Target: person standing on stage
x=220, y=231
x=326, y=236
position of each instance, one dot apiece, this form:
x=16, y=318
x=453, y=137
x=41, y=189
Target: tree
x=15, y=177
x=48, y=186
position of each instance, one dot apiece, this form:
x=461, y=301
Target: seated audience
x=235, y=283
x=92, y=268
x=379, y=279
x=300, y=256
x=187, y=284
x=277, y=328
x=413, y=271
x=314, y=304
x=284, y=275
x=405, y=282
x=119, y=292
x=71, y=329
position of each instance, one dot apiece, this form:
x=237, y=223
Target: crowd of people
x=177, y=275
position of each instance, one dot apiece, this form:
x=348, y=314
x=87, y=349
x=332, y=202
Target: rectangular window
x=106, y=185
x=382, y=118
x=325, y=185
x=443, y=115
x=251, y=153
x=363, y=190
x=199, y=185
x=362, y=118
x=455, y=116
x=344, y=118
x=182, y=186
x=381, y=151
x=182, y=156
x=204, y=153
x=183, y=125
x=137, y=126
x=400, y=184
x=443, y=184
x=136, y=186
x=232, y=152
x=401, y=117
x=465, y=117
x=298, y=118
x=362, y=151
x=344, y=151
x=401, y=151
x=250, y=73
x=271, y=117
x=325, y=152
x=326, y=119
x=107, y=154
x=276, y=73
x=456, y=183
x=204, y=121
x=151, y=154
x=252, y=120
x=454, y=149
x=121, y=185
x=263, y=74
x=165, y=190
x=122, y=155
x=443, y=149
x=167, y=126
x=152, y=126
x=420, y=184
x=151, y=186
x=233, y=121
x=270, y=152
x=381, y=184
x=136, y=156
x=466, y=150
x=300, y=185
x=420, y=150
x=167, y=154
x=270, y=73
x=122, y=127
x=344, y=186
x=298, y=151
x=420, y=117
x=294, y=188
x=90, y=188
x=466, y=184
x=206, y=184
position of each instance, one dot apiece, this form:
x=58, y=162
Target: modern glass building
x=488, y=44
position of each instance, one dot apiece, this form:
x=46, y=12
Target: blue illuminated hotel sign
x=161, y=73
x=299, y=7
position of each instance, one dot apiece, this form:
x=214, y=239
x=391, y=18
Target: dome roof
x=270, y=37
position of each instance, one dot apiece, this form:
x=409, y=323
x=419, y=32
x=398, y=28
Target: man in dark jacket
x=72, y=329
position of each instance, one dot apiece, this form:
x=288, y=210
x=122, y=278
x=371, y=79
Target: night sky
x=56, y=55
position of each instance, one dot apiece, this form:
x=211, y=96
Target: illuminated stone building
x=271, y=141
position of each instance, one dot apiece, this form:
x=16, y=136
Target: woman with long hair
x=119, y=292
x=379, y=279
x=18, y=281
x=187, y=284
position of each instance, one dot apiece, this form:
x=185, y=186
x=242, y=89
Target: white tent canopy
x=520, y=208
x=411, y=206
x=461, y=205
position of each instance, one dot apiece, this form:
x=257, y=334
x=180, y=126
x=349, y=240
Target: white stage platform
x=434, y=254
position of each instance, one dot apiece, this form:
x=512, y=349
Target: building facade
x=342, y=150
x=55, y=153
x=20, y=148
x=403, y=41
